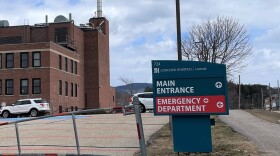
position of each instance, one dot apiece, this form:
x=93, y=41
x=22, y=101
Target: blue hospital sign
x=188, y=87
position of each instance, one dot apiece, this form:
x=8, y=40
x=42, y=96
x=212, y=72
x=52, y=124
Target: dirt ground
x=225, y=142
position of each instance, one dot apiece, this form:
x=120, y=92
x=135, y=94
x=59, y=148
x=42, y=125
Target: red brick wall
x=56, y=74
x=39, y=34
x=23, y=31
x=29, y=73
x=97, y=62
x=91, y=55
x=91, y=69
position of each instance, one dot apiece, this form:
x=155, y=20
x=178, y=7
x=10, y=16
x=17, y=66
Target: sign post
x=190, y=92
x=139, y=126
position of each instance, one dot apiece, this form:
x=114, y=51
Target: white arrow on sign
x=220, y=104
x=218, y=84
x=205, y=100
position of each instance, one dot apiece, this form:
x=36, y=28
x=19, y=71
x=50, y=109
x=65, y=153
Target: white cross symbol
x=218, y=84
x=220, y=104
x=205, y=100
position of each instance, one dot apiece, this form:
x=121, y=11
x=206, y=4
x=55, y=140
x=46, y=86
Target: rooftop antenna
x=99, y=8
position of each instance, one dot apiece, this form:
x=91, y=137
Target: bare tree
x=128, y=82
x=222, y=40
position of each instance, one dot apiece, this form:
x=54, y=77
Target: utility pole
x=239, y=94
x=262, y=98
x=179, y=45
x=179, y=42
x=252, y=101
x=270, y=105
x=278, y=95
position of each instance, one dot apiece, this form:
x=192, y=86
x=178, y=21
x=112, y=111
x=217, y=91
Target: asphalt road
x=105, y=134
x=265, y=135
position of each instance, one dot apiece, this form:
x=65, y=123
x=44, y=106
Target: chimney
x=46, y=18
x=99, y=8
x=70, y=17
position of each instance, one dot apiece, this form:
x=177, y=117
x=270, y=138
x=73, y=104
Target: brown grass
x=226, y=142
x=269, y=116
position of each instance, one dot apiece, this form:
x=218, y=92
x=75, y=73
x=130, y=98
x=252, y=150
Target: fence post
x=139, y=125
x=76, y=134
x=123, y=110
x=18, y=141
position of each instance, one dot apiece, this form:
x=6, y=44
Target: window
x=41, y=101
x=72, y=64
x=0, y=87
x=9, y=87
x=66, y=64
x=36, y=59
x=17, y=103
x=0, y=61
x=148, y=95
x=23, y=86
x=75, y=68
x=36, y=86
x=66, y=88
x=72, y=90
x=60, y=87
x=60, y=62
x=25, y=102
x=24, y=60
x=76, y=90
x=9, y=60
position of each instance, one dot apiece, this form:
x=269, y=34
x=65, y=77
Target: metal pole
x=262, y=98
x=18, y=141
x=139, y=125
x=179, y=42
x=123, y=110
x=179, y=45
x=76, y=134
x=270, y=104
x=278, y=95
x=252, y=101
x=239, y=94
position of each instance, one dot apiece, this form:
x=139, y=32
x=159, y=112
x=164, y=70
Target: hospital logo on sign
x=156, y=70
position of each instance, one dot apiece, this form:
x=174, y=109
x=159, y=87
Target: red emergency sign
x=191, y=104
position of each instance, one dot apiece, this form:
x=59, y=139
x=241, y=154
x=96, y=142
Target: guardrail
x=49, y=116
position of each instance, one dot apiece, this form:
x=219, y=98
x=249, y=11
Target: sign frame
x=167, y=73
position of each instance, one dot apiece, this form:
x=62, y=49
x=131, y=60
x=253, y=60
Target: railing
x=132, y=110
x=49, y=116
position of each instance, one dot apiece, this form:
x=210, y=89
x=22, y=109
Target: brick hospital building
x=67, y=65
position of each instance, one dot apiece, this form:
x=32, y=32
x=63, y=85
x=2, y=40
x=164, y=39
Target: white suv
x=146, y=101
x=26, y=106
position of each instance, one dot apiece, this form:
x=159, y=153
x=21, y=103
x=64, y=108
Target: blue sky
x=141, y=31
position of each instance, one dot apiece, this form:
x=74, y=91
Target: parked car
x=33, y=107
x=146, y=101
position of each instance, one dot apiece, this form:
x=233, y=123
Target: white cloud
x=141, y=31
